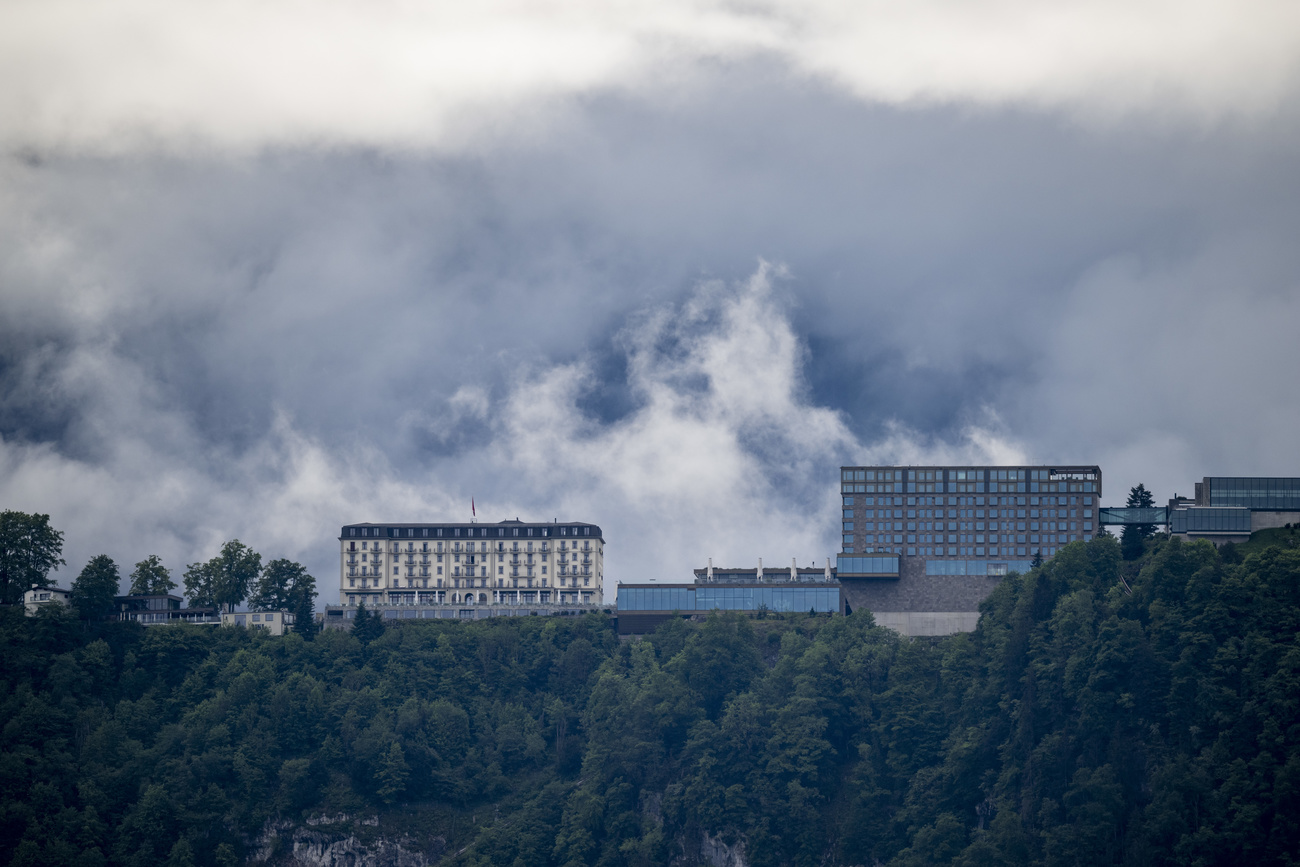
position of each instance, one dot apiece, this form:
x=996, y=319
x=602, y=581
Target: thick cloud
x=721, y=456
x=247, y=73
x=265, y=328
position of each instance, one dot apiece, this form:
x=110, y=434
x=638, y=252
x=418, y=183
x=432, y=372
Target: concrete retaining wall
x=919, y=604
x=927, y=623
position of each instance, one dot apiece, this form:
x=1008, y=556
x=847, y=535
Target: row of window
x=1255, y=493
x=880, y=543
x=484, y=547
x=977, y=551
x=437, y=532
x=966, y=513
x=977, y=526
x=973, y=538
x=468, y=582
x=867, y=566
x=756, y=598
x=365, y=557
x=1210, y=520
x=524, y=597
x=970, y=487
x=467, y=571
x=256, y=618
x=853, y=502
x=848, y=474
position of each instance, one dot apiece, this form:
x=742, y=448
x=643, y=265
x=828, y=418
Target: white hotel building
x=510, y=563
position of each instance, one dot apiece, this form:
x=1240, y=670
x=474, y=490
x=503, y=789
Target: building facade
x=163, y=609
x=923, y=546
x=511, y=563
x=643, y=607
x=274, y=622
x=965, y=513
x=1230, y=508
x=34, y=598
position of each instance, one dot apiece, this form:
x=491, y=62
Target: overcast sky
x=269, y=267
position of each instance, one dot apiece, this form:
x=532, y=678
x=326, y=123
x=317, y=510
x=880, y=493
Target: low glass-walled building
x=1230, y=508
x=642, y=607
x=1276, y=494
x=822, y=599
x=160, y=609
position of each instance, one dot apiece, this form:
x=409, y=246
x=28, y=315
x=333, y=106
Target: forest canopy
x=1104, y=712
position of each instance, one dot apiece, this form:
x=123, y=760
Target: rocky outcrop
x=333, y=842
x=717, y=853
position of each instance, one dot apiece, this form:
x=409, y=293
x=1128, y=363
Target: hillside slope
x=1092, y=718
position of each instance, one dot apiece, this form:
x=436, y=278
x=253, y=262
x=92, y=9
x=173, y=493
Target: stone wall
x=927, y=623
x=919, y=604
x=1268, y=520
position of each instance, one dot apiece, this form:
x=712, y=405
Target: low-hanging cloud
x=723, y=456
x=245, y=74
x=200, y=345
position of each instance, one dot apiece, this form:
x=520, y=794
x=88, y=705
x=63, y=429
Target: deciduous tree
x=94, y=589
x=29, y=550
x=282, y=586
x=224, y=580
x=151, y=578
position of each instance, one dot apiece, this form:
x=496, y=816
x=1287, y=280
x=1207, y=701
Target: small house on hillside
x=275, y=622
x=36, y=597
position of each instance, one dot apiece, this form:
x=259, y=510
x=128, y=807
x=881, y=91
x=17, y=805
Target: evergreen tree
x=367, y=626
x=393, y=774
x=94, y=589
x=151, y=578
x=1038, y=559
x=304, y=617
x=1132, y=539
x=29, y=550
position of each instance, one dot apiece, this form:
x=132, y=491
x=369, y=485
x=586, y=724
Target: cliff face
x=715, y=852
x=334, y=842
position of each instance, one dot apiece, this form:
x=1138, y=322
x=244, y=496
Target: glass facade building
x=1257, y=494
x=752, y=597
x=1210, y=519
x=996, y=517
x=867, y=567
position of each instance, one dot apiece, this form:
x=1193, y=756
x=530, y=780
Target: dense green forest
x=1105, y=712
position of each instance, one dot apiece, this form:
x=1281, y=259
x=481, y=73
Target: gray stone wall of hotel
x=1260, y=520
x=912, y=592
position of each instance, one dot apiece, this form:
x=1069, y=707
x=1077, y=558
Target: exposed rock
x=652, y=806
x=340, y=819
x=717, y=853
x=281, y=843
